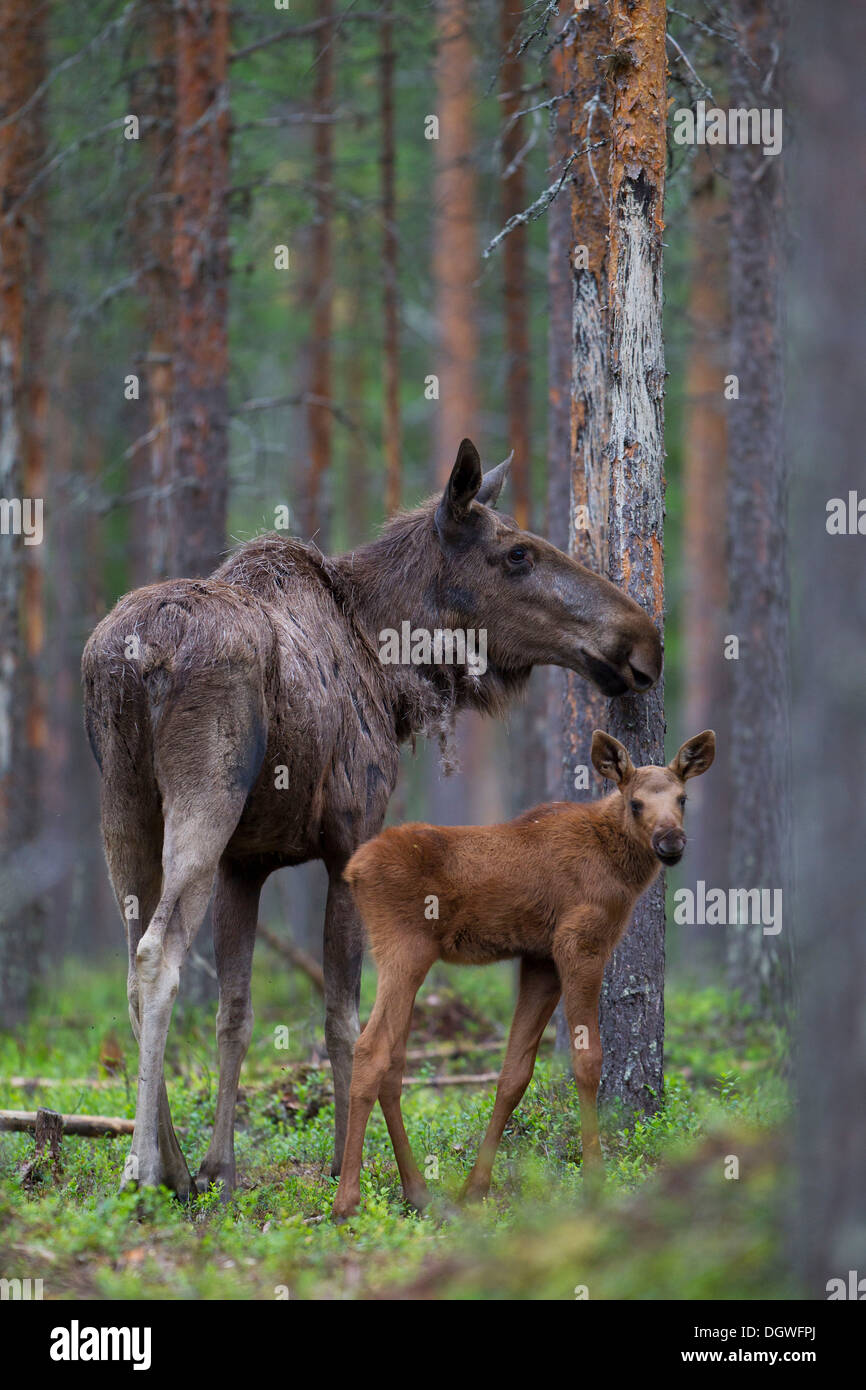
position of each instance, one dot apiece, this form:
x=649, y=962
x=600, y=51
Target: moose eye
x=681, y=800
x=517, y=555
x=637, y=807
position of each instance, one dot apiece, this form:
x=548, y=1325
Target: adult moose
x=245, y=722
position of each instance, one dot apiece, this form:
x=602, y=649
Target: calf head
x=653, y=796
x=538, y=606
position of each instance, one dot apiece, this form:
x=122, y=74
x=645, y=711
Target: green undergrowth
x=692, y=1204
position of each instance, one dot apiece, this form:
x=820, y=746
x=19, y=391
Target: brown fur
x=556, y=887
x=273, y=662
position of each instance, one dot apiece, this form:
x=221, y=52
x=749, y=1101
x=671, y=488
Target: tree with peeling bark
x=23, y=401
x=578, y=381
x=760, y=964
x=199, y=465
x=632, y=1002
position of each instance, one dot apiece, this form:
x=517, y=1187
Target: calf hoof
x=475, y=1190
x=345, y=1205
x=222, y=1177
x=138, y=1175
x=418, y=1198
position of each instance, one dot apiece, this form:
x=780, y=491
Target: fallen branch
x=87, y=1126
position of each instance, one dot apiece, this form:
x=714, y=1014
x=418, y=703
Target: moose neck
x=399, y=579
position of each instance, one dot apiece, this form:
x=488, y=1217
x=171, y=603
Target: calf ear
x=695, y=756
x=610, y=759
x=492, y=486
x=461, y=488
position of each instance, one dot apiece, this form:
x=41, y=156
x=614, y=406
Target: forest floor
x=672, y=1221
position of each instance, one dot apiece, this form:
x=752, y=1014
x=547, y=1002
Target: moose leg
x=377, y=1073
x=188, y=871
x=582, y=973
x=135, y=868
x=536, y=1000
x=343, y=957
x=235, y=914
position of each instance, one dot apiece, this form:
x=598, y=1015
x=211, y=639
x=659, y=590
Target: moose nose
x=669, y=845
x=641, y=680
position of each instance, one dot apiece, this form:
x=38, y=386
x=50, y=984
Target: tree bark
x=199, y=487
x=632, y=1003
x=391, y=425
x=456, y=261
x=517, y=382
x=760, y=965
x=827, y=1216
x=23, y=403
x=316, y=520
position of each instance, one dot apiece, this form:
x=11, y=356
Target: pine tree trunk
x=199, y=484
x=707, y=688
x=827, y=1216
x=456, y=261
x=578, y=368
x=22, y=416
x=760, y=965
x=391, y=427
x=316, y=521
x=517, y=383
x=632, y=1004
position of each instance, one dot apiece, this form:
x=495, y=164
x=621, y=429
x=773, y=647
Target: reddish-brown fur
x=556, y=887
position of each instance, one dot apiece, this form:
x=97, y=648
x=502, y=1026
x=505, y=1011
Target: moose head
x=538, y=606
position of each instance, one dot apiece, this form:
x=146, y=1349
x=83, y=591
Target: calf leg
x=582, y=973
x=235, y=914
x=343, y=957
x=379, y=1057
x=536, y=1000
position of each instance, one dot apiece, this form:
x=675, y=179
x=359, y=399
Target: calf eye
x=637, y=807
x=517, y=555
x=681, y=800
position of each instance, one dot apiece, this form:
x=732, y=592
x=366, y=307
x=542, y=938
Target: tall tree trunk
x=707, y=689
x=632, y=1003
x=319, y=418
x=828, y=1213
x=578, y=381
x=22, y=413
x=473, y=793
x=391, y=428
x=154, y=239
x=761, y=964
x=517, y=384
x=199, y=485
x=456, y=261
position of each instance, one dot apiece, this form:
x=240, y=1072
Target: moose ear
x=610, y=759
x=695, y=756
x=492, y=485
x=462, y=486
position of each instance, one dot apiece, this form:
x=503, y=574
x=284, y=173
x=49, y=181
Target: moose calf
x=556, y=887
